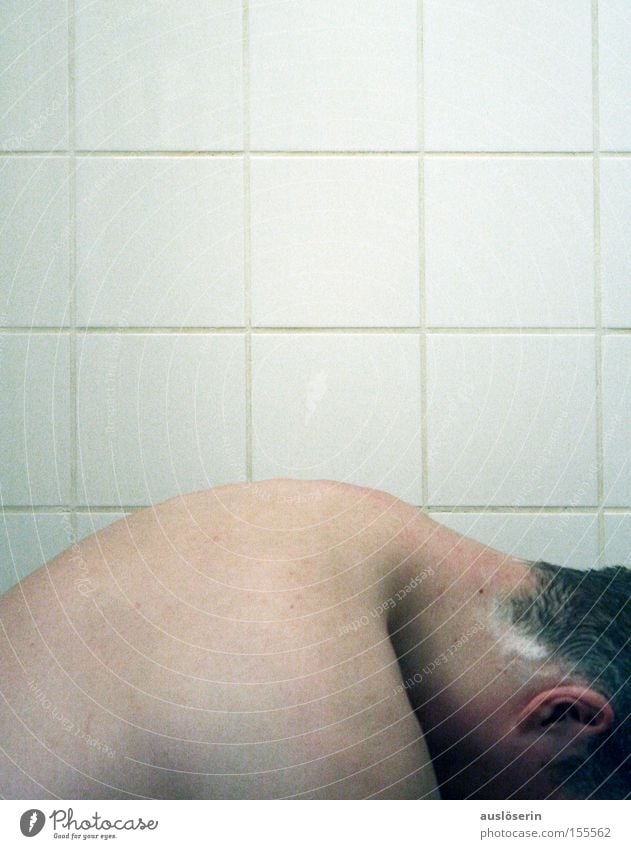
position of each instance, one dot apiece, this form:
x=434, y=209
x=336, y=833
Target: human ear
x=567, y=711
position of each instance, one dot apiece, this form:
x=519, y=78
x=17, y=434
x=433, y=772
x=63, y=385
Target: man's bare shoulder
x=225, y=615
x=291, y=502
x=267, y=521
x=280, y=512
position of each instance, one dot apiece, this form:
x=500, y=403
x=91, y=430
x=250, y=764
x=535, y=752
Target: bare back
x=225, y=644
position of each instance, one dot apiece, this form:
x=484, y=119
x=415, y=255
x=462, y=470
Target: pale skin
x=282, y=639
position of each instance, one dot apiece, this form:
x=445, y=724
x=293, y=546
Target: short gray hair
x=583, y=618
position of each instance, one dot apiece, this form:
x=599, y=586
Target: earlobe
x=568, y=709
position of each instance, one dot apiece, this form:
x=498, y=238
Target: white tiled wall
x=335, y=242
x=340, y=406
x=331, y=75
x=384, y=241
x=35, y=243
x=159, y=242
x=158, y=76
x=158, y=414
x=507, y=76
x=616, y=240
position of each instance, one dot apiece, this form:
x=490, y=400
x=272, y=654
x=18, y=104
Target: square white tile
x=27, y=541
x=568, y=539
x=514, y=75
x=614, y=74
x=334, y=75
x=511, y=420
x=618, y=539
x=159, y=76
x=338, y=406
x=159, y=415
x=335, y=242
x=34, y=240
x=34, y=65
x=90, y=523
x=509, y=242
x=615, y=241
x=617, y=420
x=160, y=242
x=35, y=419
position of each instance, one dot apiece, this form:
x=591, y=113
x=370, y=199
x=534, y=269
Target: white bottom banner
x=313, y=825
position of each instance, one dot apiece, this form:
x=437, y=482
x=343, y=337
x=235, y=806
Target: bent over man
x=311, y=639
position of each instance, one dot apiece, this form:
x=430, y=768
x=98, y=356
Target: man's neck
x=450, y=562
x=446, y=589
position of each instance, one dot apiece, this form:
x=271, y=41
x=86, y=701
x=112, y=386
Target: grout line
x=464, y=331
x=71, y=509
x=436, y=153
x=420, y=82
x=160, y=330
x=508, y=154
x=21, y=509
x=72, y=264
x=203, y=154
x=514, y=330
x=534, y=510
x=247, y=238
x=598, y=285
x=95, y=154
x=527, y=511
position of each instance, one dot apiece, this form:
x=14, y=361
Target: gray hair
x=583, y=618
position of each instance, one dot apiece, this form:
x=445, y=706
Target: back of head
x=583, y=621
